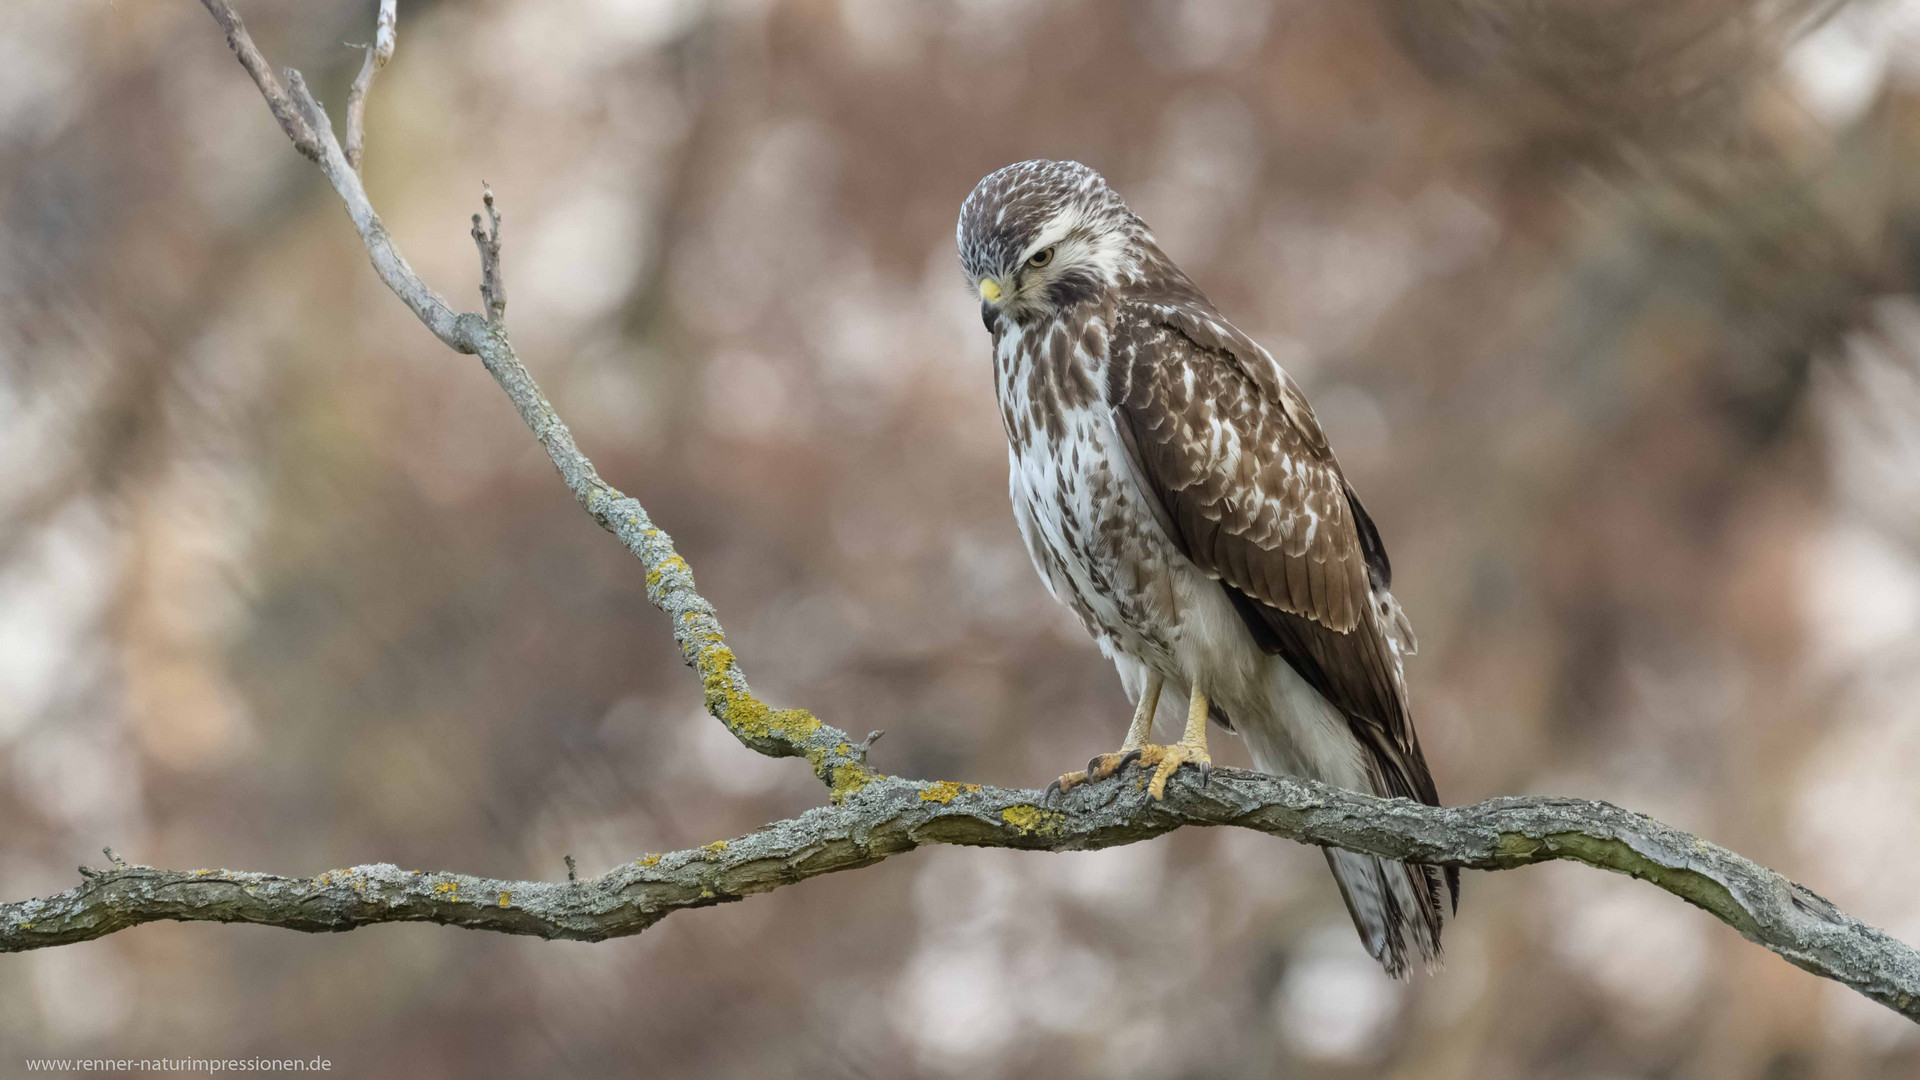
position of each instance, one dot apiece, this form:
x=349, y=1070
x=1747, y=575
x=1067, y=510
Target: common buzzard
x=1176, y=492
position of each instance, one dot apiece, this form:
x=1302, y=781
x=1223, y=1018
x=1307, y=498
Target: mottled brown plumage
x=1177, y=493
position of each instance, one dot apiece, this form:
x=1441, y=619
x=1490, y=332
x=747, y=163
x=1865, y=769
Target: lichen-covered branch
x=873, y=816
x=835, y=757
x=893, y=815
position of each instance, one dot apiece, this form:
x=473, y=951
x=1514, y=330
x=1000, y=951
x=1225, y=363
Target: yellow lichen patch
x=446, y=888
x=28, y=925
x=674, y=561
x=796, y=724
x=945, y=791
x=743, y=712
x=1032, y=820
x=715, y=848
x=706, y=893
x=848, y=779
x=506, y=899
x=650, y=860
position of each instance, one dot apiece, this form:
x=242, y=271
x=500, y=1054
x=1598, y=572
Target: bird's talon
x=1162, y=760
x=1064, y=784
x=1167, y=759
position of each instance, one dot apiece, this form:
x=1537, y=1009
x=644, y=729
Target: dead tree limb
x=892, y=815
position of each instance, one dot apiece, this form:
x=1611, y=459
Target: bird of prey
x=1175, y=491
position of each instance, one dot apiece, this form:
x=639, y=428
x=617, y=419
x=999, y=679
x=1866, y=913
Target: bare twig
x=378, y=54
x=295, y=125
x=493, y=290
x=875, y=816
x=392, y=267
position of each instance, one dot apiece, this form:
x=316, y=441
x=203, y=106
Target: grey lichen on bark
x=892, y=815
x=871, y=816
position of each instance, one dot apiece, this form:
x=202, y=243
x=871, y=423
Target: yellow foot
x=1098, y=769
x=1165, y=759
x=1162, y=759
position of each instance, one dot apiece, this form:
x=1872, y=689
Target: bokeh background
x=1608, y=306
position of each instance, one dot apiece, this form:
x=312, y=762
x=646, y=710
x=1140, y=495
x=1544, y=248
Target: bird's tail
x=1395, y=906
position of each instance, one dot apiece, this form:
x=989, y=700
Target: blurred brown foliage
x=1607, y=307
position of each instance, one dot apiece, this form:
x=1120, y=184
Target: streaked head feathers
x=1041, y=235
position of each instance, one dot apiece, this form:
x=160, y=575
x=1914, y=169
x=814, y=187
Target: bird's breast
x=1046, y=370
x=1091, y=535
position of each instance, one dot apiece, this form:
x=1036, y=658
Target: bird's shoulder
x=1230, y=450
x=1175, y=333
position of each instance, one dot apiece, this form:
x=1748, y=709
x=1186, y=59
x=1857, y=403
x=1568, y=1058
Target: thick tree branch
x=874, y=816
x=894, y=815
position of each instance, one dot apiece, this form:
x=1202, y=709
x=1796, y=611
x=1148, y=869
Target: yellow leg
x=1196, y=733
x=1163, y=760
x=1191, y=749
x=1143, y=714
x=1107, y=764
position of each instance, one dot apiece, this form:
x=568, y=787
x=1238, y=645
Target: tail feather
x=1395, y=907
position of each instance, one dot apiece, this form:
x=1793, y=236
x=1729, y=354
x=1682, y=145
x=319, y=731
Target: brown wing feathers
x=1218, y=453
x=1250, y=491
x=1252, y=494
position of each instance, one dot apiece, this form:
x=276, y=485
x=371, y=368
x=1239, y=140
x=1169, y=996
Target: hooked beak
x=990, y=294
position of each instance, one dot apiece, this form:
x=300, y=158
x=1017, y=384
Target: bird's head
x=1041, y=236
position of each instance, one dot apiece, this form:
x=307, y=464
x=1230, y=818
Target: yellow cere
x=989, y=290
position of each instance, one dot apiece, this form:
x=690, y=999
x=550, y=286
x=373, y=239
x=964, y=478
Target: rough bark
x=892, y=815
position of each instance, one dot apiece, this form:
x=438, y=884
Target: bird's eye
x=1041, y=258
